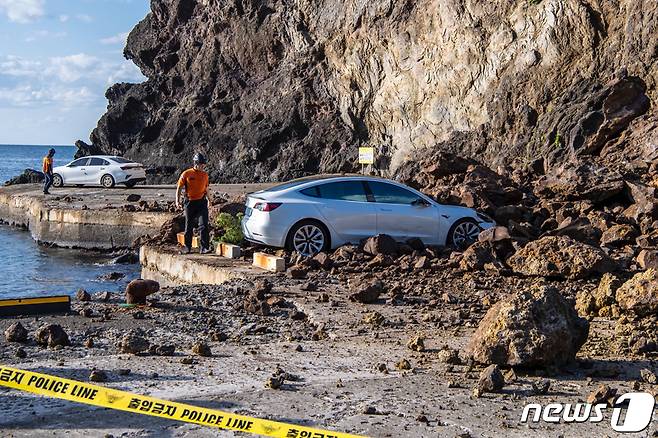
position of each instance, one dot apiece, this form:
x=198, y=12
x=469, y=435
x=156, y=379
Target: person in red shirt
x=195, y=183
x=47, y=168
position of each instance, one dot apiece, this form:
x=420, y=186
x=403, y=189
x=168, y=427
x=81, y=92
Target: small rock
x=128, y=258
x=89, y=343
x=98, y=376
x=133, y=343
x=133, y=197
x=296, y=272
x=138, y=315
x=381, y=367
x=602, y=394
x=310, y=286
x=449, y=356
x=275, y=382
x=365, y=292
x=648, y=376
x=16, y=333
x=374, y=318
x=162, y=350
x=201, y=349
x=323, y=261
x=417, y=343
x=123, y=371
x=218, y=336
x=187, y=360
x=20, y=353
x=52, y=335
x=86, y=312
x=491, y=380
x=82, y=295
x=112, y=276
x=103, y=296
x=541, y=386
x=403, y=364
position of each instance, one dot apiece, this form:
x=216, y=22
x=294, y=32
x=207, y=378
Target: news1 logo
x=638, y=408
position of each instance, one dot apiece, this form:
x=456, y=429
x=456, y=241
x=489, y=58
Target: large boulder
x=640, y=293
x=559, y=256
x=381, y=244
x=52, y=335
x=138, y=290
x=29, y=176
x=619, y=235
x=533, y=328
x=16, y=333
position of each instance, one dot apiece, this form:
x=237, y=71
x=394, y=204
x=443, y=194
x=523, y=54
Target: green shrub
x=231, y=227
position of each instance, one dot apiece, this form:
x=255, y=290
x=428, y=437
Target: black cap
x=199, y=159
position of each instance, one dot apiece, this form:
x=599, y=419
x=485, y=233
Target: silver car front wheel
x=464, y=233
x=107, y=181
x=308, y=240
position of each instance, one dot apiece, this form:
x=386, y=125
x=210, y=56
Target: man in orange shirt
x=195, y=183
x=48, y=171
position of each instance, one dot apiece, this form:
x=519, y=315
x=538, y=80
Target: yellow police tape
x=95, y=395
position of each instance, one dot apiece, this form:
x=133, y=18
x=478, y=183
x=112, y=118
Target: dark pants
x=197, y=210
x=47, y=182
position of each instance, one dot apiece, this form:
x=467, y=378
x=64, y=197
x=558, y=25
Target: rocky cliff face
x=273, y=89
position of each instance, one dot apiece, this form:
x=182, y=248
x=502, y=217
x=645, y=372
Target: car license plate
x=248, y=211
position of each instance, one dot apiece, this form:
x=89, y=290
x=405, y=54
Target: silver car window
x=343, y=191
x=80, y=162
x=98, y=162
x=391, y=194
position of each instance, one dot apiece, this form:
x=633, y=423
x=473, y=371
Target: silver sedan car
x=318, y=213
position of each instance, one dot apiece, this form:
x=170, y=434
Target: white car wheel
x=308, y=239
x=464, y=233
x=107, y=181
x=57, y=180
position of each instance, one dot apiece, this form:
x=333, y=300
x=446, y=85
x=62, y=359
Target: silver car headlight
x=485, y=218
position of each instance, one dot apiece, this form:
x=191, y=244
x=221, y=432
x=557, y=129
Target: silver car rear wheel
x=308, y=240
x=465, y=233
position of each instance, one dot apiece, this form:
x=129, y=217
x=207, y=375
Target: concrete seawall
x=65, y=224
x=167, y=267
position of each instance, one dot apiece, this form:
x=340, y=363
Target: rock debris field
x=558, y=303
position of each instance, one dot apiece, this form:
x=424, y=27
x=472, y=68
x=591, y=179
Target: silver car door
x=345, y=207
x=402, y=216
x=75, y=172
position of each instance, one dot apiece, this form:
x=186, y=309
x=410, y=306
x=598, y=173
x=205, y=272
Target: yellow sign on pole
x=367, y=155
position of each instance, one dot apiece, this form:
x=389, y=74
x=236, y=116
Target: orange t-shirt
x=47, y=164
x=195, y=183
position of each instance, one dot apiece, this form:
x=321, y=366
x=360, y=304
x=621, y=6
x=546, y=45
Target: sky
x=57, y=59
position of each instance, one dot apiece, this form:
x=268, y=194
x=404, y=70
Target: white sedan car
x=104, y=170
x=318, y=213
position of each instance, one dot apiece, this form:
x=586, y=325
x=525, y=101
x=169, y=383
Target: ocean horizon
x=14, y=159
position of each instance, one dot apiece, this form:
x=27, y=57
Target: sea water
x=28, y=269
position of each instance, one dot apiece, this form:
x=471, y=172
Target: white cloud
x=27, y=95
x=73, y=67
x=22, y=11
x=64, y=18
x=116, y=39
x=41, y=34
x=84, y=17
x=125, y=72
x=16, y=66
